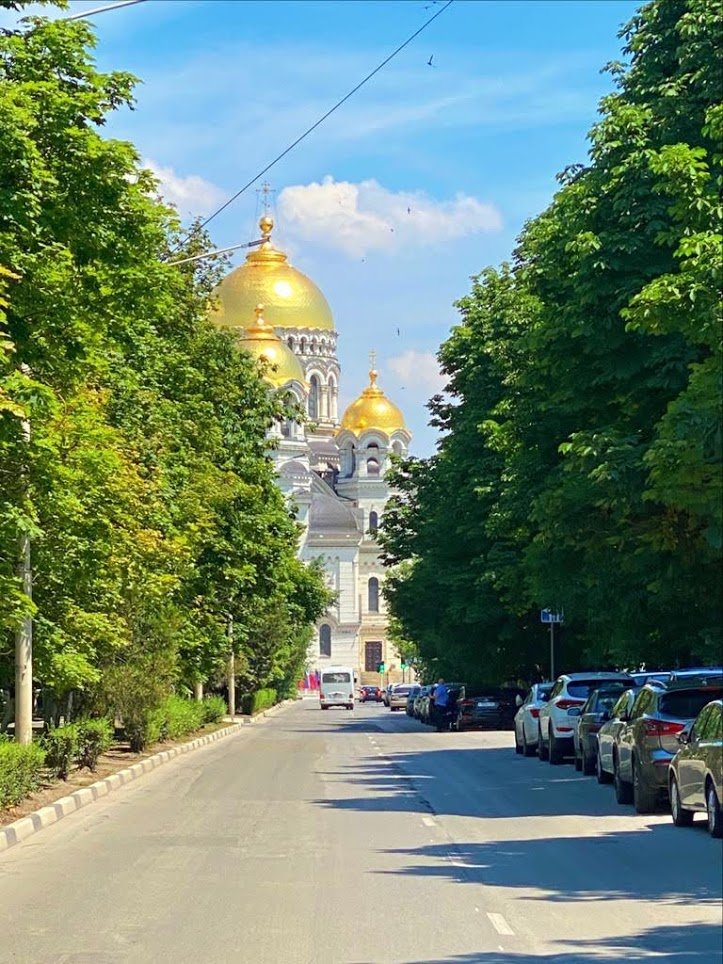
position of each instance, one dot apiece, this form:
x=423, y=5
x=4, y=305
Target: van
x=336, y=687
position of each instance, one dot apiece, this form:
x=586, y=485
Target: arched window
x=374, y=595
x=372, y=467
x=397, y=447
x=314, y=393
x=325, y=640
x=373, y=522
x=290, y=342
x=333, y=397
x=302, y=346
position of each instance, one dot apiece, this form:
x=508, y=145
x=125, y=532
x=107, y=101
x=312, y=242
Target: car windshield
x=335, y=678
x=544, y=690
x=687, y=704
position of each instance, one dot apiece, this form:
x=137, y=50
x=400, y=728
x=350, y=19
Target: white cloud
x=192, y=195
x=418, y=370
x=363, y=217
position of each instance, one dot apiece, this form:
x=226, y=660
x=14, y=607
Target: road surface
x=361, y=838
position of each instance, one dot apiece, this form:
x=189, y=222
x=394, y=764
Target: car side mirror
x=518, y=700
x=683, y=737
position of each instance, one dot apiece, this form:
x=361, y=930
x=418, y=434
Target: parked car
x=658, y=676
x=421, y=704
x=647, y=742
x=398, y=696
x=695, y=774
x=371, y=694
x=593, y=714
x=490, y=709
x=526, y=718
x=554, y=724
x=607, y=735
x=412, y=695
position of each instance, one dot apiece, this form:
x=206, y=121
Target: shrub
x=143, y=728
x=214, y=709
x=94, y=738
x=61, y=748
x=252, y=703
x=20, y=771
x=182, y=716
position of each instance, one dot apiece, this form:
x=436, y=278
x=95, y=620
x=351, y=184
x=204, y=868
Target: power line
x=109, y=6
x=320, y=121
x=213, y=254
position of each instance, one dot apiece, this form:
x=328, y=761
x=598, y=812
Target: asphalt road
x=361, y=838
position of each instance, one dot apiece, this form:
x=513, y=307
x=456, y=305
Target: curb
x=14, y=833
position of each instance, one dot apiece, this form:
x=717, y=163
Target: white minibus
x=336, y=687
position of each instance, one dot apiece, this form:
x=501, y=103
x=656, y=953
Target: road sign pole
x=552, y=651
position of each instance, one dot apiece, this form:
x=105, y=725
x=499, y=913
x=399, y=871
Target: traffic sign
x=547, y=616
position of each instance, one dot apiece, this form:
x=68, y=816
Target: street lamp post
x=231, y=670
x=24, y=634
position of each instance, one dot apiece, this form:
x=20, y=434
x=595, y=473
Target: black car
x=593, y=714
x=492, y=709
x=371, y=694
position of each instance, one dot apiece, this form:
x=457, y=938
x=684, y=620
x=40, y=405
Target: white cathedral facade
x=331, y=467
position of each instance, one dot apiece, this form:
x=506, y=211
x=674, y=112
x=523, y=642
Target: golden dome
x=262, y=342
x=372, y=410
x=291, y=299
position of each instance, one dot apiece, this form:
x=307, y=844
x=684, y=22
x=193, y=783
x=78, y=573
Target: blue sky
x=421, y=180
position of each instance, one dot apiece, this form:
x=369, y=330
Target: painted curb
x=14, y=833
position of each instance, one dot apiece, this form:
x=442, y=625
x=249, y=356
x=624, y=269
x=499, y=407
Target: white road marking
x=429, y=821
x=500, y=924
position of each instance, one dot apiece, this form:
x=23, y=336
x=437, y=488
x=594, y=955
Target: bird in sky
x=409, y=210
x=398, y=332
x=429, y=62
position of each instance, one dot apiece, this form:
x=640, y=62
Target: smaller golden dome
x=372, y=410
x=262, y=342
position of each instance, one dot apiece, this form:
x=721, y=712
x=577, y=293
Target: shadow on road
x=696, y=943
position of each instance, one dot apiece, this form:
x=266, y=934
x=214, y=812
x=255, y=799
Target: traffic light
x=404, y=665
x=380, y=667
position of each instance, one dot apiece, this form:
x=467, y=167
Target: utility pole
x=24, y=635
x=231, y=670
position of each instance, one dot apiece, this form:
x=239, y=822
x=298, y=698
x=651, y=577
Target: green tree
x=585, y=387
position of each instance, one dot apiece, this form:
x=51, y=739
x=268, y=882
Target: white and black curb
x=19, y=830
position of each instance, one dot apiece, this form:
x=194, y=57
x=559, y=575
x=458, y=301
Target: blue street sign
x=547, y=616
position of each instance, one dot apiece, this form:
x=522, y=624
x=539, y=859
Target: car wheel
x=588, y=763
x=541, y=748
x=644, y=798
x=681, y=817
x=602, y=775
x=518, y=745
x=529, y=749
x=623, y=790
x=325, y=707
x=715, y=816
x=554, y=752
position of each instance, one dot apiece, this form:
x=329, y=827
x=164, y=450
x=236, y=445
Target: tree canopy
x=146, y=483
x=580, y=465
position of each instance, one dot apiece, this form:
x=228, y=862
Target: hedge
x=214, y=709
x=20, y=771
x=252, y=703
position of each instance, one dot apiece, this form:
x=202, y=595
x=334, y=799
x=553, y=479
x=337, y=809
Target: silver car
x=695, y=775
x=527, y=716
x=398, y=696
x=608, y=733
x=648, y=741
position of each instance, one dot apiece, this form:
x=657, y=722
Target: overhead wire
x=109, y=6
x=316, y=124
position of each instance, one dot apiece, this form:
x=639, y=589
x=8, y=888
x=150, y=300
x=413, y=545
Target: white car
x=527, y=716
x=555, y=722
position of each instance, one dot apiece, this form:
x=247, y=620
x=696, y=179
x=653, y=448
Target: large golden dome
x=291, y=299
x=260, y=340
x=372, y=410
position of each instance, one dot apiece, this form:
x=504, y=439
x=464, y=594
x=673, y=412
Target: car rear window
x=687, y=704
x=335, y=678
x=580, y=689
x=401, y=690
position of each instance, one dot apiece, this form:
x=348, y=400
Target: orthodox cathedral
x=331, y=468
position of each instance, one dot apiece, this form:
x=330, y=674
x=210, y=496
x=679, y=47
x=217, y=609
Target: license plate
x=485, y=704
